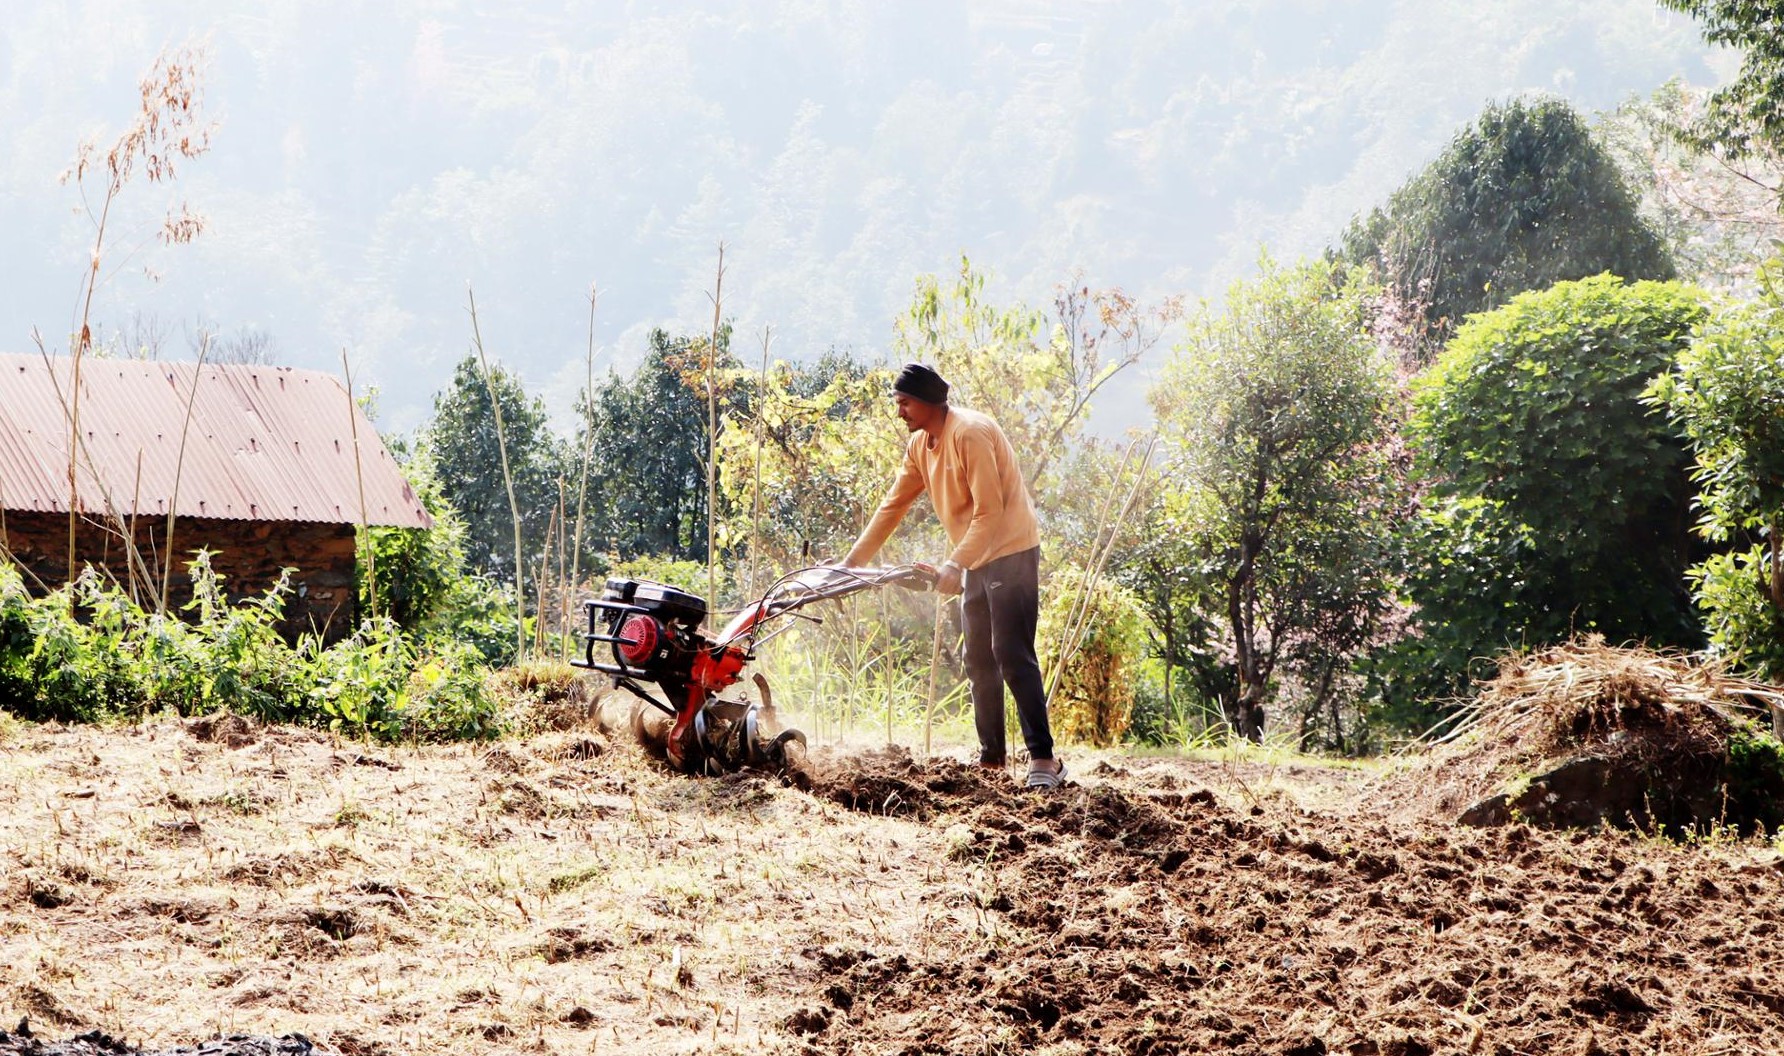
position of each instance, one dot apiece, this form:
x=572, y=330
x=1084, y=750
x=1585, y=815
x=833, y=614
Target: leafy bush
x=88, y=653
x=424, y=583
x=411, y=573
x=480, y=614
x=15, y=635
x=1558, y=502
x=1745, y=621
x=1725, y=392
x=1093, y=696
x=682, y=575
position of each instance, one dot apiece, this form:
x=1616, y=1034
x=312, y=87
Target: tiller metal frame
x=649, y=632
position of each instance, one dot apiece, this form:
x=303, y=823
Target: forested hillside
x=370, y=161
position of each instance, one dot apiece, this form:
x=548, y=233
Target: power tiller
x=643, y=632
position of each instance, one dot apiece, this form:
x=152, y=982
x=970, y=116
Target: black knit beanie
x=922, y=383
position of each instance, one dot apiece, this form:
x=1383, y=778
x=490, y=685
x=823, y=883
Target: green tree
x=1277, y=414
x=647, y=484
x=1558, y=503
x=1173, y=583
x=806, y=466
x=1519, y=200
x=1725, y=392
x=1745, y=117
x=468, y=462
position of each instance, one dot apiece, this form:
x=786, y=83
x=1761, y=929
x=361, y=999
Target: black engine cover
x=659, y=599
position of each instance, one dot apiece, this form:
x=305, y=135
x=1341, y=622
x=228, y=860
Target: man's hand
x=948, y=576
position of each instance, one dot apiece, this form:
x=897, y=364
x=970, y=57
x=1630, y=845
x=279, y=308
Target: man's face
x=914, y=413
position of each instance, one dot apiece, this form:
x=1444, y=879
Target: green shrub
x=416, y=572
x=1725, y=393
x=88, y=653
x=1745, y=623
x=15, y=635
x=1559, y=502
x=480, y=614
x=1093, y=696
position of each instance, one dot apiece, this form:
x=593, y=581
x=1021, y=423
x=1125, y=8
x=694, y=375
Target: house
x=258, y=464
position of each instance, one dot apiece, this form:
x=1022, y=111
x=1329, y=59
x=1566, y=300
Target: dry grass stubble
x=174, y=881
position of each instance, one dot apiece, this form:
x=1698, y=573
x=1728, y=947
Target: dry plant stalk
x=756, y=492
x=563, y=587
x=111, y=512
x=365, y=529
x=178, y=466
x=135, y=506
x=542, y=580
x=712, y=434
x=1077, y=624
x=495, y=406
x=588, y=454
x=935, y=662
x=167, y=128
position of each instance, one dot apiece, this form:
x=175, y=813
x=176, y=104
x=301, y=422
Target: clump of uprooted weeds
x=1610, y=721
x=545, y=696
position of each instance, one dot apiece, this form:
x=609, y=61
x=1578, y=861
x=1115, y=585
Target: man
x=967, y=465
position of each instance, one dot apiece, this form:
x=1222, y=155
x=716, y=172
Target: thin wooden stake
x=179, y=463
x=135, y=502
x=365, y=528
x=712, y=436
x=935, y=661
x=761, y=424
x=495, y=406
x=588, y=445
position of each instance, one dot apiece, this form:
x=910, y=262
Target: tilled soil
x=565, y=894
x=1123, y=919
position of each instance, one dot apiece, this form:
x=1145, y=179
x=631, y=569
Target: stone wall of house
x=249, y=554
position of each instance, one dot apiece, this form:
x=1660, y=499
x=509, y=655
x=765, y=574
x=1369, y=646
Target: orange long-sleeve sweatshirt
x=971, y=475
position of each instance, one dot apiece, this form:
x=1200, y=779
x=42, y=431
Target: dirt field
x=173, y=882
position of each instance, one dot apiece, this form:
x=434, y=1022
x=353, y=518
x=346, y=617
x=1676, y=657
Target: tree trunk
x=1317, y=706
x=1775, y=579
x=1247, y=714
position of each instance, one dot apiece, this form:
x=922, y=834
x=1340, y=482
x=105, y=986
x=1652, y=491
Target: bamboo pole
x=563, y=588
x=542, y=581
x=756, y=490
x=588, y=447
x=179, y=464
x=495, y=406
x=712, y=435
x=365, y=528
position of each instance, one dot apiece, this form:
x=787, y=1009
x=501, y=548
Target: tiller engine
x=643, y=632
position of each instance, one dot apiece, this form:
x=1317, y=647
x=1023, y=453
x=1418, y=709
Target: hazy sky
x=371, y=160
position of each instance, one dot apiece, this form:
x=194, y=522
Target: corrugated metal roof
x=264, y=444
